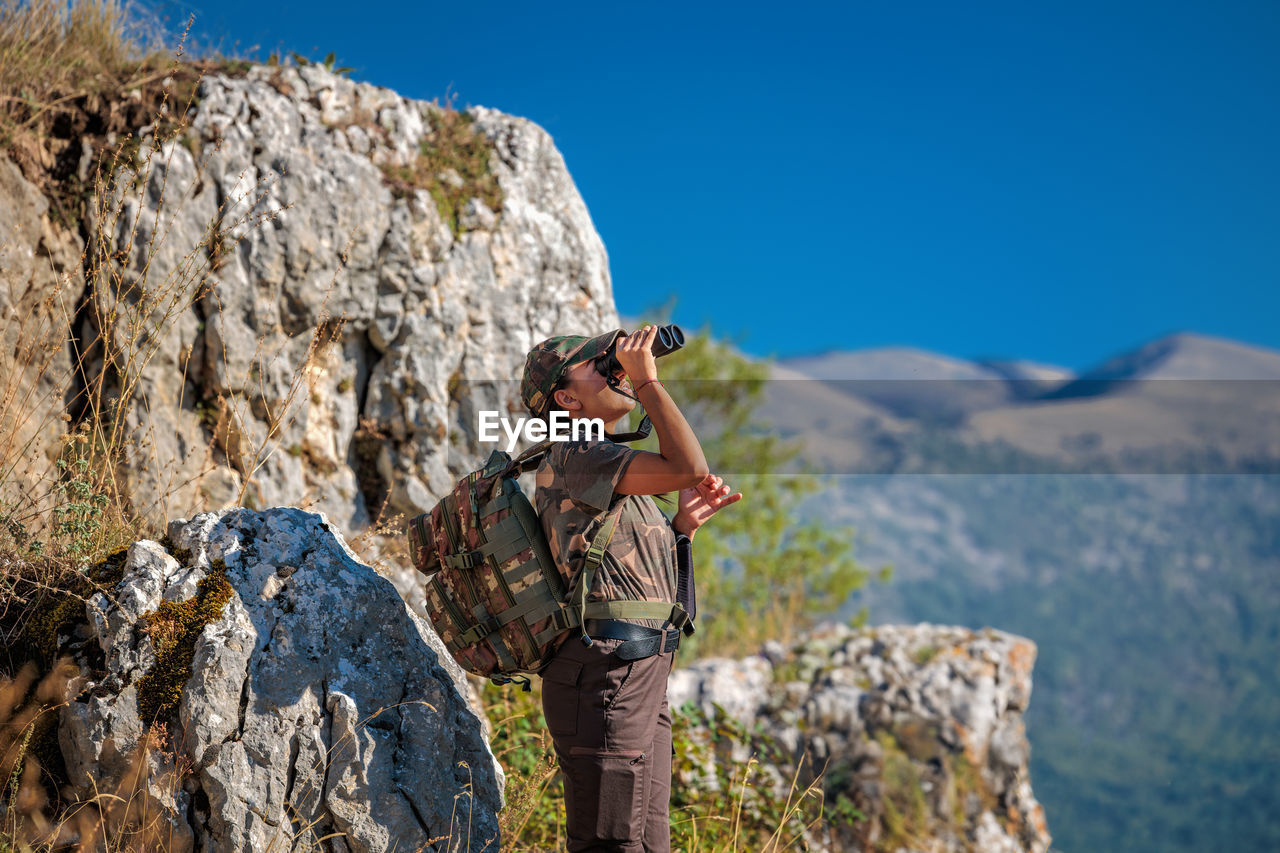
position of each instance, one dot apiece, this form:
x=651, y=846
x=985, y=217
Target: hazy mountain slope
x=886, y=363
x=1017, y=370
x=832, y=425
x=908, y=382
x=1145, y=425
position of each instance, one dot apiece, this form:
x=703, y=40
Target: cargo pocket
x=608, y=795
x=560, y=696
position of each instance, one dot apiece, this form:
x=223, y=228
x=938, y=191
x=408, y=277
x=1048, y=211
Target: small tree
x=762, y=573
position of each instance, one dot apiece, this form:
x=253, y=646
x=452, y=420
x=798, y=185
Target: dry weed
x=77, y=409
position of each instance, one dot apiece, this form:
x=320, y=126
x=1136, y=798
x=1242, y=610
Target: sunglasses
x=606, y=365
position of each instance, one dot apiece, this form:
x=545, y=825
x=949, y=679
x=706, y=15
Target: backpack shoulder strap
x=671, y=611
x=527, y=460
x=595, y=556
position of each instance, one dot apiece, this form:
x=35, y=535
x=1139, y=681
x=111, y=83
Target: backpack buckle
x=464, y=560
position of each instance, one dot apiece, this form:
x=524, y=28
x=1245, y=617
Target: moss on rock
x=967, y=783
x=174, y=628
x=905, y=815
x=453, y=167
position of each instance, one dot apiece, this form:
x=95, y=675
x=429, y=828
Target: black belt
x=641, y=641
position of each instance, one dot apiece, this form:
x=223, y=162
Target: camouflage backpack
x=495, y=595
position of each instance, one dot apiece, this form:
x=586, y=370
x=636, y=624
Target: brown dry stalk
x=79, y=368
x=130, y=311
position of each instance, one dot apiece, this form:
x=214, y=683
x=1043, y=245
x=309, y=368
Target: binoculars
x=670, y=338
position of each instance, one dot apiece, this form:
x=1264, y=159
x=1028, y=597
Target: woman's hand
x=635, y=354
x=699, y=503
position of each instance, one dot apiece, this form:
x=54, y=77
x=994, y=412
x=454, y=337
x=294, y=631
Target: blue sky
x=1051, y=181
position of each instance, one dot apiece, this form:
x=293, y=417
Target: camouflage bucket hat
x=547, y=362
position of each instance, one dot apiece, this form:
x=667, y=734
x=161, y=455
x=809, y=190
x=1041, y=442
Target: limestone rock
x=317, y=703
x=737, y=686
x=336, y=333
x=40, y=281
x=939, y=706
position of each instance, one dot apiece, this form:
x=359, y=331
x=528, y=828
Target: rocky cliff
x=292, y=294
x=912, y=734
x=297, y=284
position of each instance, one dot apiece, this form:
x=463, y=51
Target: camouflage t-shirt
x=575, y=484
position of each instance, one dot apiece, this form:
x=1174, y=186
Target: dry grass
x=63, y=495
x=80, y=506
x=72, y=76
x=53, y=53
x=126, y=817
x=68, y=423
x=718, y=805
x=76, y=352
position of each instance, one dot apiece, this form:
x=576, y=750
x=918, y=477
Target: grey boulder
x=317, y=705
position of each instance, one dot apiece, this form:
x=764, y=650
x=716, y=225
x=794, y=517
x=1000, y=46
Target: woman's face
x=587, y=395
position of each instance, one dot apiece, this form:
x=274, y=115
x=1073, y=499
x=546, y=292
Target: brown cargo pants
x=611, y=727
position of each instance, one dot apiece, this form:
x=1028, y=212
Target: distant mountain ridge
x=1018, y=370
x=1180, y=355
x=1190, y=355
x=1124, y=414
x=890, y=363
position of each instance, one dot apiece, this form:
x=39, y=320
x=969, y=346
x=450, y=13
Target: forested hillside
x=1153, y=601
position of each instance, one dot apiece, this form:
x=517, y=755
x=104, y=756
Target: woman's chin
x=622, y=403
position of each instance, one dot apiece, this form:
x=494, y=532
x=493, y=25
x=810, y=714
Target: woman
x=604, y=694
